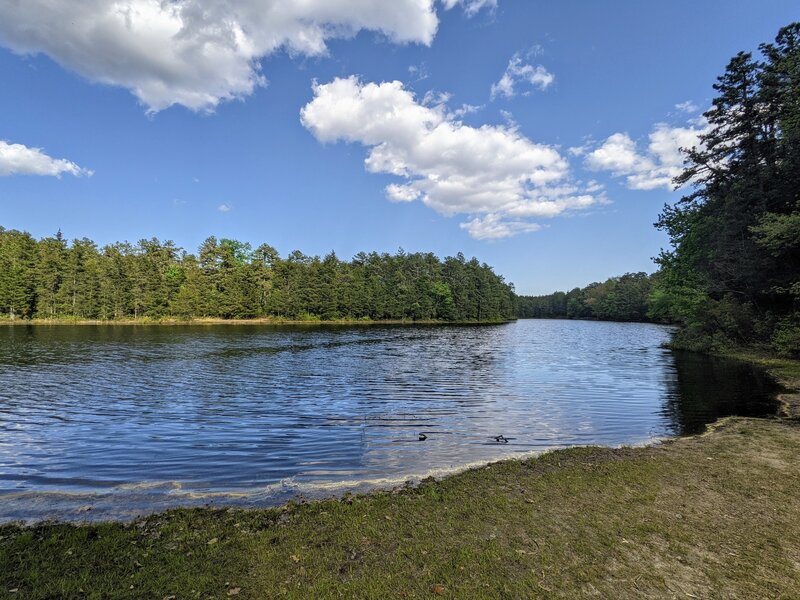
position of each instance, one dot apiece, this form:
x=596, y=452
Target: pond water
x=114, y=421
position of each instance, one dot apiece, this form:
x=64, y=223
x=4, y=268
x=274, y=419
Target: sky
x=538, y=136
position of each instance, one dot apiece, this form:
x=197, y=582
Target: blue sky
x=184, y=121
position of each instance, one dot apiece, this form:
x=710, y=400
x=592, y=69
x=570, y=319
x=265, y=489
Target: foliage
x=54, y=279
x=786, y=337
x=624, y=298
x=732, y=276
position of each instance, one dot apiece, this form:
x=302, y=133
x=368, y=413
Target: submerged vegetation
x=53, y=279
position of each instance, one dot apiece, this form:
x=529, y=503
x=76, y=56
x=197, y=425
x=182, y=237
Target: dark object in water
x=422, y=437
x=501, y=439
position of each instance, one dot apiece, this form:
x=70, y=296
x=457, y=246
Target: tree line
x=52, y=278
x=732, y=274
x=624, y=298
x=731, y=277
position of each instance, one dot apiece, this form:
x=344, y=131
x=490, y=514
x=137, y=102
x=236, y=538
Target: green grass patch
x=786, y=370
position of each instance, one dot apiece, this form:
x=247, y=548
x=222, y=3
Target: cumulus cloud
x=492, y=173
x=518, y=71
x=199, y=53
x=17, y=159
x=492, y=227
x=402, y=193
x=224, y=208
x=655, y=167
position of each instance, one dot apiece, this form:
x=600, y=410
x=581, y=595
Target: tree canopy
x=52, y=278
x=624, y=298
x=732, y=274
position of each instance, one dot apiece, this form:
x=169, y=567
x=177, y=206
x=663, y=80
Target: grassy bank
x=712, y=516
x=716, y=515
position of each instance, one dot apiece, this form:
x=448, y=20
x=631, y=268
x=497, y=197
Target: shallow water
x=113, y=421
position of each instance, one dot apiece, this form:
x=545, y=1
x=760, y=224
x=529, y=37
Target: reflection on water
x=705, y=389
x=130, y=419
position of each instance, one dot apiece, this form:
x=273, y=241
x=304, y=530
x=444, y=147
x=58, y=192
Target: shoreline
x=715, y=512
x=221, y=321
x=785, y=372
x=84, y=505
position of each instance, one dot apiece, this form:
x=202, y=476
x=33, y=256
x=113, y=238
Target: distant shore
x=256, y=321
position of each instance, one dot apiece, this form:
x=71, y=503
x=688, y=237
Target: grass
x=711, y=516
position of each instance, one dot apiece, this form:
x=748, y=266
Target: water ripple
x=148, y=417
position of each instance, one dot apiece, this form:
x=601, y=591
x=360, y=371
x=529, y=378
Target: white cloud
x=492, y=227
x=508, y=117
x=518, y=72
x=439, y=100
x=588, y=143
x=471, y=7
x=465, y=109
x=535, y=50
x=16, y=159
x=199, y=53
x=594, y=186
x=688, y=107
x=402, y=193
x=224, y=208
x=418, y=72
x=491, y=173
x=617, y=154
x=654, y=168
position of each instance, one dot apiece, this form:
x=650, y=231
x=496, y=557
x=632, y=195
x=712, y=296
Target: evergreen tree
x=732, y=275
x=227, y=279
x=17, y=274
x=50, y=270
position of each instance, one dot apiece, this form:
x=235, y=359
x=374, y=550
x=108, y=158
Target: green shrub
x=786, y=337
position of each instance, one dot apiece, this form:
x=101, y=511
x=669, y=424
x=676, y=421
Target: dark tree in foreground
x=732, y=276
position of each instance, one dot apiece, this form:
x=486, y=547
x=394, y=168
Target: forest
x=625, y=298
x=52, y=278
x=731, y=277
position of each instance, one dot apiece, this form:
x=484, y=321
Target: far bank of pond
x=311, y=321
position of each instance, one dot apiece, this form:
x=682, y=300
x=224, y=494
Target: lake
x=102, y=422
